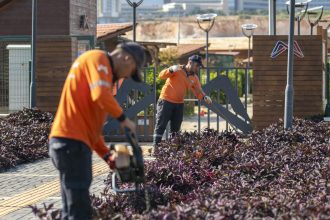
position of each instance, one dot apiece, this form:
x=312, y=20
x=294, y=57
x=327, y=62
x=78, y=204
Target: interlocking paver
x=28, y=176
x=12, y=185
x=25, y=213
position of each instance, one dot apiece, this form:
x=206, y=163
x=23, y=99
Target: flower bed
x=273, y=174
x=23, y=137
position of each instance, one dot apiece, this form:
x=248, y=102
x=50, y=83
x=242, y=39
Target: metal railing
x=153, y=86
x=237, y=77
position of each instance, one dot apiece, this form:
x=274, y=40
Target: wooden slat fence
x=269, y=79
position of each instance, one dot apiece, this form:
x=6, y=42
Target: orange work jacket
x=177, y=83
x=86, y=101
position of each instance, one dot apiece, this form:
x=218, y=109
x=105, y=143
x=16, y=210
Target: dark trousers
x=167, y=111
x=73, y=159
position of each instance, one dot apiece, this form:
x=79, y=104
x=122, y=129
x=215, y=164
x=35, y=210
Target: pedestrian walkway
x=190, y=123
x=38, y=183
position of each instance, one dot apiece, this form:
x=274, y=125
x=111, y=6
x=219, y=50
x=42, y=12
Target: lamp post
x=248, y=31
x=327, y=107
x=206, y=22
x=326, y=25
x=300, y=8
x=314, y=16
x=288, y=109
x=272, y=17
x=179, y=24
x=134, y=5
x=33, y=55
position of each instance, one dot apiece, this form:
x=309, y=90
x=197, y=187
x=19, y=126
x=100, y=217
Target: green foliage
x=169, y=56
x=245, y=17
x=207, y=11
x=150, y=79
x=282, y=14
x=220, y=96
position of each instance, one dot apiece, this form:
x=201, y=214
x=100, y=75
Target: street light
x=206, y=22
x=248, y=31
x=33, y=55
x=272, y=16
x=326, y=25
x=314, y=16
x=288, y=104
x=180, y=8
x=134, y=5
x=300, y=8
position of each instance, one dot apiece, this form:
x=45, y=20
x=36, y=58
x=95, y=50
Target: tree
x=169, y=56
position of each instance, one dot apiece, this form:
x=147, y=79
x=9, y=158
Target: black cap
x=138, y=54
x=196, y=59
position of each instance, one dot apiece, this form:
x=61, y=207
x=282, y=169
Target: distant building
x=174, y=6
x=314, y=3
x=252, y=5
x=246, y=5
x=108, y=10
x=194, y=1
x=144, y=11
x=113, y=11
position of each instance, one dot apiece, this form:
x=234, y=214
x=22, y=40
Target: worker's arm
x=99, y=79
x=100, y=147
x=199, y=93
x=196, y=88
x=166, y=73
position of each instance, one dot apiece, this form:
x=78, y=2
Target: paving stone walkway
x=37, y=184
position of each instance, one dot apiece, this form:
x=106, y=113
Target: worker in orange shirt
x=85, y=103
x=179, y=78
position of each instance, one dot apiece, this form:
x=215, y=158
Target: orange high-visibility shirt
x=86, y=101
x=176, y=85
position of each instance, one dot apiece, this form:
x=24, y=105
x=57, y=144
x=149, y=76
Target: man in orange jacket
x=170, y=103
x=85, y=103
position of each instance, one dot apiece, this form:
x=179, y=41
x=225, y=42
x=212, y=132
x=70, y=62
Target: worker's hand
x=127, y=123
x=119, y=158
x=207, y=99
x=174, y=68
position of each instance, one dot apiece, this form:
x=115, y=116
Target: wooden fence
x=54, y=58
x=269, y=79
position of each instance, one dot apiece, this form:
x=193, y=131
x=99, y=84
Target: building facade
x=108, y=10
x=247, y=5
x=62, y=35
x=252, y=5
x=114, y=11
x=326, y=3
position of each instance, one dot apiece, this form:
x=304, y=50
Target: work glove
x=207, y=99
x=119, y=158
x=174, y=68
